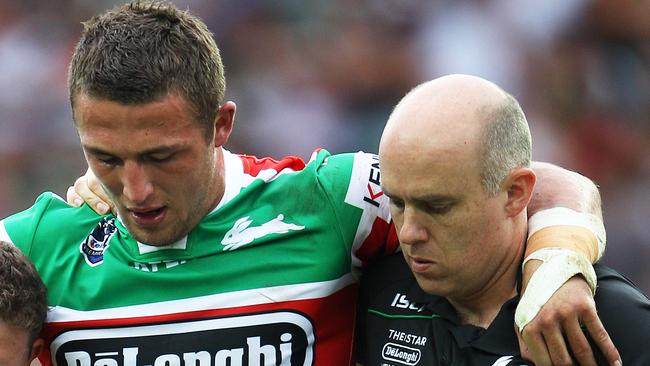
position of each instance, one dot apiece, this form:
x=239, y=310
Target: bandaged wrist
x=559, y=266
x=569, y=229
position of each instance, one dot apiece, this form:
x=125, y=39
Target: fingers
x=523, y=348
x=88, y=189
x=537, y=350
x=579, y=344
x=73, y=198
x=557, y=325
x=557, y=348
x=600, y=336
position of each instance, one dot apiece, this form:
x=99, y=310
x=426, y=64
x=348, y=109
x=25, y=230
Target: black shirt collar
x=498, y=338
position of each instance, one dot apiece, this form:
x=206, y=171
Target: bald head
x=464, y=118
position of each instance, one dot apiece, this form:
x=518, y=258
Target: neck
x=480, y=308
x=219, y=179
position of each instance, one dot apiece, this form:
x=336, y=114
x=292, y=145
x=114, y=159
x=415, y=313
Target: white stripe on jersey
x=4, y=236
x=235, y=178
x=267, y=175
x=268, y=295
x=358, y=189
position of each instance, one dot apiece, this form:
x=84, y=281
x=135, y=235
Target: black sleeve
x=625, y=313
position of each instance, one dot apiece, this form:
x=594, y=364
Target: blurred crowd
x=326, y=73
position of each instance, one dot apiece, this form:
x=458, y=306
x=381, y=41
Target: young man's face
x=15, y=349
x=154, y=162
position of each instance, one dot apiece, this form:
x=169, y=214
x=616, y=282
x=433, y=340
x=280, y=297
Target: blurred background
x=326, y=73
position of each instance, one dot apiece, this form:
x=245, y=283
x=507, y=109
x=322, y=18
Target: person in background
x=23, y=308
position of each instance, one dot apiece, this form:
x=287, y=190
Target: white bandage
x=562, y=216
x=559, y=266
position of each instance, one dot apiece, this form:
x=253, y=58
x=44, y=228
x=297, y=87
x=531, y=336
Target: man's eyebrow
x=437, y=198
x=429, y=198
x=156, y=150
x=95, y=150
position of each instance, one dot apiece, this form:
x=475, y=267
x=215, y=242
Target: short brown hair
x=142, y=51
x=505, y=144
x=23, y=297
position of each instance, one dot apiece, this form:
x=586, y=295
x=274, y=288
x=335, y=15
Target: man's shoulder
x=387, y=279
x=625, y=313
x=49, y=220
x=614, y=287
x=393, y=266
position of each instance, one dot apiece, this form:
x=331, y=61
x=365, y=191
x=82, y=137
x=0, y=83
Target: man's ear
x=224, y=123
x=37, y=348
x=519, y=185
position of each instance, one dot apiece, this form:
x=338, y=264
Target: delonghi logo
x=280, y=338
x=401, y=354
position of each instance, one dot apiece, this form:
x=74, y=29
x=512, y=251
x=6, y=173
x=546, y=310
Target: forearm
x=576, y=221
x=556, y=234
x=559, y=187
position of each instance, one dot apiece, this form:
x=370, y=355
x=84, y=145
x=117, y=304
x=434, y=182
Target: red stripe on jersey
x=382, y=232
x=332, y=317
x=253, y=165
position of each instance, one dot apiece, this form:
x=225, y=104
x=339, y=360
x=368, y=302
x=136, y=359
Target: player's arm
x=566, y=235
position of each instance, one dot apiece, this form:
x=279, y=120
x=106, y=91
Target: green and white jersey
x=269, y=277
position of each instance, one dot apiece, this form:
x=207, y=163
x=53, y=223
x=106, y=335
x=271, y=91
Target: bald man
x=461, y=219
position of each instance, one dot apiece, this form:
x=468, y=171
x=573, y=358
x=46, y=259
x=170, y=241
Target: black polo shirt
x=399, y=324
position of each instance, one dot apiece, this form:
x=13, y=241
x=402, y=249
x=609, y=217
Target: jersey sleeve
x=20, y=229
x=352, y=182
x=50, y=220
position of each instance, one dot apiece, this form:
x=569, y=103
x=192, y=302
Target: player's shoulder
x=54, y=207
x=387, y=274
x=49, y=219
x=393, y=265
x=625, y=312
x=616, y=290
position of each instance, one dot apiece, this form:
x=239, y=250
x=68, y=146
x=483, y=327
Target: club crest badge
x=94, y=246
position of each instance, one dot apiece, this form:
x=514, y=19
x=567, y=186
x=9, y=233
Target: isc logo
x=400, y=301
x=280, y=338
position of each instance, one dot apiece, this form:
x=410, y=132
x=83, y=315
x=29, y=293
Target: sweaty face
x=448, y=228
x=153, y=161
x=14, y=347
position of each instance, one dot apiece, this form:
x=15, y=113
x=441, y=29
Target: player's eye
x=437, y=209
x=107, y=160
x=160, y=157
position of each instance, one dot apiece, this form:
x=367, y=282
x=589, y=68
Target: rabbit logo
x=241, y=234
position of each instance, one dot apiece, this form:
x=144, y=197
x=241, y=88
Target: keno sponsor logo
x=401, y=354
x=279, y=338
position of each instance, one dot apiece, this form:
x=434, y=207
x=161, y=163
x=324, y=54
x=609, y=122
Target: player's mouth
x=419, y=264
x=148, y=216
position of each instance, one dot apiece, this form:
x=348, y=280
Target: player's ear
x=37, y=348
x=224, y=123
x=519, y=185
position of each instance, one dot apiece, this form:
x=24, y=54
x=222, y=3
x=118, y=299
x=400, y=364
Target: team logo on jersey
x=94, y=246
x=241, y=234
x=276, y=338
